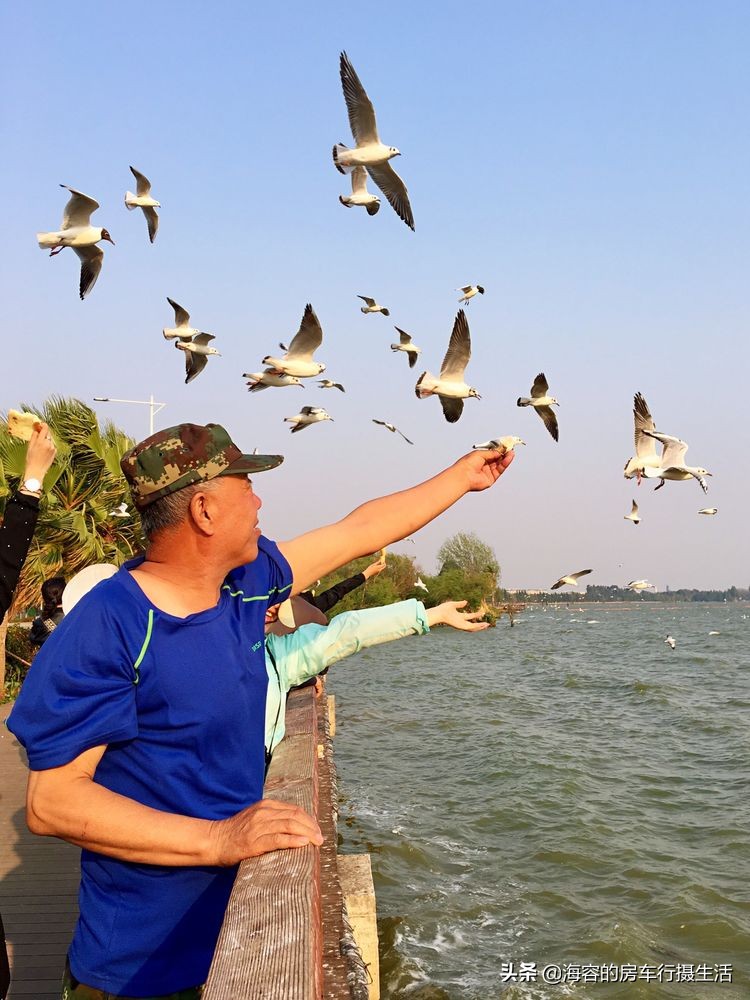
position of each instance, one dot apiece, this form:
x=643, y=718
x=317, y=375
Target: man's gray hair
x=170, y=510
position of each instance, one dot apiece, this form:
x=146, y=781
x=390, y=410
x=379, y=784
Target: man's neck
x=178, y=587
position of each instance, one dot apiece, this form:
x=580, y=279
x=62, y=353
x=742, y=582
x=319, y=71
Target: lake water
x=569, y=793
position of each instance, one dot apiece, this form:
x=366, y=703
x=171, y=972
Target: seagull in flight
x=372, y=306
x=197, y=353
x=407, y=345
x=709, y=510
x=120, y=511
x=258, y=381
x=633, y=516
x=645, y=449
x=298, y=360
x=142, y=199
x=542, y=403
x=672, y=463
x=392, y=428
x=77, y=232
x=450, y=386
x=369, y=151
x=182, y=330
x=670, y=642
x=571, y=580
x=638, y=585
x=306, y=416
x=326, y=383
x=360, y=195
x=469, y=291
x=419, y=582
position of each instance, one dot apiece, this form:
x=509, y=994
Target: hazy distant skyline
x=586, y=163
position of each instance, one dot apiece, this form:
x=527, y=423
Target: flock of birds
x=368, y=158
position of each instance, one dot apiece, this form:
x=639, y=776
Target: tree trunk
x=3, y=634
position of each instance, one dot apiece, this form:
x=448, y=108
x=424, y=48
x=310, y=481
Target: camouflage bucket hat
x=184, y=455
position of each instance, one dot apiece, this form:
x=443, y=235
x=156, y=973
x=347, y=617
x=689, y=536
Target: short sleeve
x=267, y=580
x=81, y=690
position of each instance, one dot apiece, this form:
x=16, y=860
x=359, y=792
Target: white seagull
x=709, y=510
x=77, y=232
x=258, y=381
x=306, y=416
x=638, y=585
x=542, y=403
x=369, y=151
x=419, y=582
x=670, y=642
x=503, y=444
x=326, y=383
x=360, y=195
x=120, y=511
x=143, y=200
x=197, y=353
x=469, y=292
x=672, y=463
x=372, y=306
x=182, y=330
x=298, y=360
x=392, y=428
x=645, y=449
x=450, y=386
x=633, y=516
x=571, y=580
x=407, y=345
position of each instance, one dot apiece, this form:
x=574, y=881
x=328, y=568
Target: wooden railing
x=286, y=933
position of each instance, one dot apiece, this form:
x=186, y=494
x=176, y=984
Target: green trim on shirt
x=257, y=597
x=144, y=647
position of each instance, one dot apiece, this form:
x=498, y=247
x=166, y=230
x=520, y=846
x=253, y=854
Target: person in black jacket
x=326, y=600
x=52, y=612
x=16, y=532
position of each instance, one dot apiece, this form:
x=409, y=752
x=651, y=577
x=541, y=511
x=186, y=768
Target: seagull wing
x=459, y=351
x=152, y=220
x=203, y=338
x=144, y=184
x=181, y=316
x=404, y=437
x=673, y=453
x=634, y=508
x=581, y=572
x=358, y=105
x=91, y=264
x=395, y=191
x=308, y=338
x=465, y=289
x=540, y=386
x=403, y=336
x=359, y=180
x=79, y=209
x=381, y=422
x=643, y=421
x=412, y=355
x=452, y=408
x=550, y=420
x=194, y=365
x=308, y=411
x=366, y=298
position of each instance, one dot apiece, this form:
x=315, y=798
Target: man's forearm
x=87, y=814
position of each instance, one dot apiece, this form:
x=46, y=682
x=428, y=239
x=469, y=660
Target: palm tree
x=76, y=526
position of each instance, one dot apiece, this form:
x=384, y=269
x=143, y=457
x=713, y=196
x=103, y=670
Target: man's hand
x=267, y=826
x=448, y=613
x=484, y=468
x=40, y=453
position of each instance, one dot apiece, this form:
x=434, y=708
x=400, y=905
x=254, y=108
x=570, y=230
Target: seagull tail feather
x=129, y=199
x=338, y=149
x=523, y=401
x=47, y=240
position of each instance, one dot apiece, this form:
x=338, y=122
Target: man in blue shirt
x=143, y=717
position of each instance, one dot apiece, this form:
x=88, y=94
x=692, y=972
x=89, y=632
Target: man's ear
x=203, y=511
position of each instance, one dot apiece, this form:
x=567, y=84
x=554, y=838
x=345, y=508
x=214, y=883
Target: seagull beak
x=521, y=442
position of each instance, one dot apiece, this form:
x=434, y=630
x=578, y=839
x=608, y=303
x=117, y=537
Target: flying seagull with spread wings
x=392, y=428
x=360, y=195
x=407, y=345
x=371, y=306
x=542, y=403
x=369, y=151
x=571, y=580
x=633, y=516
x=469, y=291
x=142, y=199
x=298, y=360
x=77, y=233
x=672, y=463
x=645, y=449
x=307, y=415
x=197, y=353
x=450, y=386
x=182, y=330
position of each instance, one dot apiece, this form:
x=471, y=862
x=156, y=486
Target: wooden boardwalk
x=38, y=885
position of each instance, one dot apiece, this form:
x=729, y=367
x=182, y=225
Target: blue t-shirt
x=180, y=703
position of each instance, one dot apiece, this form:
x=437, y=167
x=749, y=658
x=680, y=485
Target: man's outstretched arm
x=391, y=518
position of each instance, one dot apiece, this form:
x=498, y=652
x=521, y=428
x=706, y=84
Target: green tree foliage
x=467, y=552
x=395, y=583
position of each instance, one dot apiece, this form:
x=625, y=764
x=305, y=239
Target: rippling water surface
x=569, y=791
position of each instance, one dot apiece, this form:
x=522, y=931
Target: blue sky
x=587, y=162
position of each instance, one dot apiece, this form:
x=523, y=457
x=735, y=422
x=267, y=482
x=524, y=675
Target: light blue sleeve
x=312, y=648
